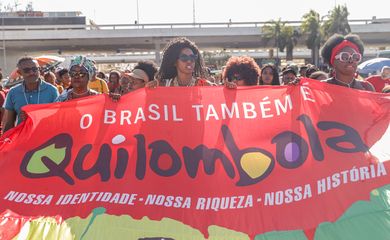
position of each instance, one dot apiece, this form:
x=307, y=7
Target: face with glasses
x=78, y=77
x=237, y=79
x=29, y=70
x=136, y=83
x=186, y=61
x=346, y=61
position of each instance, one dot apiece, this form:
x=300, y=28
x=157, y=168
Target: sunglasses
x=185, y=58
x=136, y=81
x=33, y=69
x=236, y=77
x=347, y=57
x=77, y=74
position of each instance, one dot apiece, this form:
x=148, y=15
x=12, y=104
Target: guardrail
x=172, y=25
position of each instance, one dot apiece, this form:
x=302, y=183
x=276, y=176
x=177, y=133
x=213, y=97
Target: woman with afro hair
x=241, y=71
x=343, y=53
x=182, y=66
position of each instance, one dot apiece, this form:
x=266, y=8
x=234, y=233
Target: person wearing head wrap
x=84, y=63
x=81, y=71
x=343, y=53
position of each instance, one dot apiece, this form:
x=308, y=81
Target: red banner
x=192, y=163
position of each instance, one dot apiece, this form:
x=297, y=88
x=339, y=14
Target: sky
x=175, y=11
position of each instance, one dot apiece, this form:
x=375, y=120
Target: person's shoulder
x=93, y=92
x=204, y=82
x=48, y=85
x=329, y=80
x=366, y=85
x=100, y=80
x=17, y=87
x=63, y=96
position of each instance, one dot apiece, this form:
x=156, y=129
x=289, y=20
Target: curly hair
x=245, y=66
x=147, y=66
x=171, y=54
x=336, y=39
x=275, y=74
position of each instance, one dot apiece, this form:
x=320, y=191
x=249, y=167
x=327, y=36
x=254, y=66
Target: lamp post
x=137, y=13
x=193, y=11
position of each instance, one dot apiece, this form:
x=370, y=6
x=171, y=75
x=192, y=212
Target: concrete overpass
x=35, y=40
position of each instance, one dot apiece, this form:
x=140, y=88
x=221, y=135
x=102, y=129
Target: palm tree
x=337, y=21
x=273, y=30
x=286, y=37
x=311, y=25
x=289, y=38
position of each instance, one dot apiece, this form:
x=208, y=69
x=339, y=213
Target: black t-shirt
x=356, y=84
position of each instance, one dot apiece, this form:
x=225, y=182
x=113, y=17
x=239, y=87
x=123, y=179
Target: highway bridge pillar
x=157, y=49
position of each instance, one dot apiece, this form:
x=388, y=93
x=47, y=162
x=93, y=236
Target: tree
x=289, y=39
x=29, y=7
x=286, y=37
x=311, y=26
x=272, y=30
x=337, y=21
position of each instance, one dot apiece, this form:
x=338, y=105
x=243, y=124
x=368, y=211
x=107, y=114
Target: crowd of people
x=182, y=66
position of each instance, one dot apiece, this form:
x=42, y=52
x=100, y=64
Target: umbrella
x=373, y=66
x=13, y=79
x=46, y=62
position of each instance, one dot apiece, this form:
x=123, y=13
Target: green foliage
x=318, y=31
x=311, y=25
x=284, y=36
x=272, y=30
x=337, y=21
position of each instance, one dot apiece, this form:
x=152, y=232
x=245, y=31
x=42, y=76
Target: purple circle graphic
x=291, y=152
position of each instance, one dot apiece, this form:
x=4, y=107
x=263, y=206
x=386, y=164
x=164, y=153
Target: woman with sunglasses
x=81, y=71
x=182, y=66
x=343, y=53
x=241, y=71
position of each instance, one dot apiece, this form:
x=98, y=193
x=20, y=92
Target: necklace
x=24, y=93
x=348, y=84
x=189, y=84
x=73, y=94
x=80, y=94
